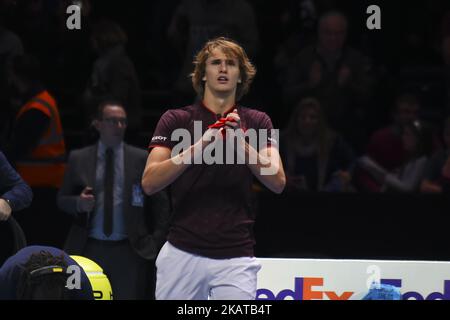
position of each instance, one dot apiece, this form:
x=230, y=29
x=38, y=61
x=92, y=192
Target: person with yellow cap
x=43, y=273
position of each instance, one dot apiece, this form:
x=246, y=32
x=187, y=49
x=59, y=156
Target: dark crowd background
x=356, y=188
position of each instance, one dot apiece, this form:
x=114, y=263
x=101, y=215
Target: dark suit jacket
x=146, y=226
x=12, y=186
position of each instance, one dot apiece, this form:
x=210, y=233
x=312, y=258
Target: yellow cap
x=101, y=286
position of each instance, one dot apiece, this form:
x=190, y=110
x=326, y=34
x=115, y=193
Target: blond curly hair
x=231, y=49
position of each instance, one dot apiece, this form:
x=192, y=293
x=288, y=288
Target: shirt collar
x=204, y=107
x=102, y=147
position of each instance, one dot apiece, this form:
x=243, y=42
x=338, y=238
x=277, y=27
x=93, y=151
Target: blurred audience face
x=406, y=112
x=409, y=140
x=308, y=122
x=106, y=35
x=112, y=125
x=332, y=33
x=85, y=6
x=33, y=8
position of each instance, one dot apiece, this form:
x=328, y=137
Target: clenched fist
x=86, y=200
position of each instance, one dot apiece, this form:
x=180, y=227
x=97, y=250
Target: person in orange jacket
x=37, y=145
x=37, y=150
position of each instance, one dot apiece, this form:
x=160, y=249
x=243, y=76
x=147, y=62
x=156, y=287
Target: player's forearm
x=267, y=168
x=275, y=183
x=159, y=175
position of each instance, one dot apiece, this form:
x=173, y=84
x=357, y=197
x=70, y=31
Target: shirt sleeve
x=269, y=137
x=410, y=180
x=168, y=123
x=15, y=189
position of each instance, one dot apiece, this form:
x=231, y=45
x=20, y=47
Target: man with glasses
x=115, y=224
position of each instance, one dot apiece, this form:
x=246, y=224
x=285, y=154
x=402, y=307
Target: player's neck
x=218, y=103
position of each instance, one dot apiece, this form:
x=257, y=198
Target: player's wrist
x=187, y=156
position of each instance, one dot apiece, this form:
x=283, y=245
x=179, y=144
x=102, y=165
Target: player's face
x=222, y=73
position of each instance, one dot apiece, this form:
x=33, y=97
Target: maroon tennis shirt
x=212, y=214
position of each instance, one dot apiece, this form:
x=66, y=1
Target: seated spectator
x=385, y=146
x=10, y=46
x=437, y=173
x=416, y=142
x=196, y=21
x=37, y=149
x=36, y=146
x=297, y=22
x=338, y=75
x=113, y=74
x=431, y=78
x=316, y=158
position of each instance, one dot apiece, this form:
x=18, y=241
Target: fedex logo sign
x=309, y=289
x=413, y=295
x=303, y=290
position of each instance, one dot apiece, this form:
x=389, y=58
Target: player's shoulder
x=177, y=117
x=254, y=115
x=178, y=113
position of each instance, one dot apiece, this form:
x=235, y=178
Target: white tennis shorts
x=185, y=276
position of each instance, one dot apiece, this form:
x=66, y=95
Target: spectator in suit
x=114, y=224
